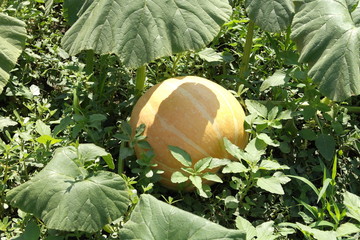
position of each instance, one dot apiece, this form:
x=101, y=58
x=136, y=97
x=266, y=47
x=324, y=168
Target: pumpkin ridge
x=235, y=120
x=200, y=107
x=169, y=127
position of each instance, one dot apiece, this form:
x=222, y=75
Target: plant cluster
x=71, y=72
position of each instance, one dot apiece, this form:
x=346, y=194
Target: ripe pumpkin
x=192, y=113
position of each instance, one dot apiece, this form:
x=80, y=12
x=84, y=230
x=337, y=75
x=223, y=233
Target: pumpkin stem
x=140, y=79
x=244, y=66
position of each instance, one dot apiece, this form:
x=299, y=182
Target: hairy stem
x=244, y=66
x=140, y=79
x=89, y=68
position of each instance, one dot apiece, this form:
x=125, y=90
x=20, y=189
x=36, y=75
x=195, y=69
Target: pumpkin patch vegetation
x=192, y=113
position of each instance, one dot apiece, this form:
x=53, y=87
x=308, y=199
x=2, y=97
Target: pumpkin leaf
x=180, y=155
x=140, y=31
x=153, y=219
x=74, y=8
x=270, y=15
x=12, y=42
x=67, y=197
x=328, y=39
x=356, y=14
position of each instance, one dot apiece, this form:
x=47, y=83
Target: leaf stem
x=351, y=109
x=76, y=103
x=244, y=66
x=89, y=68
x=102, y=77
x=140, y=80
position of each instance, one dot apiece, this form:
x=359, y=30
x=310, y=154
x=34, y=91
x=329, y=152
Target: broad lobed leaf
x=12, y=42
x=271, y=15
x=69, y=198
x=139, y=31
x=153, y=219
x=328, y=39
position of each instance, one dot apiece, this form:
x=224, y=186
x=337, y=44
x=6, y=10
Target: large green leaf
x=68, y=197
x=139, y=31
x=270, y=15
x=154, y=219
x=12, y=42
x=74, y=8
x=329, y=41
x=356, y=14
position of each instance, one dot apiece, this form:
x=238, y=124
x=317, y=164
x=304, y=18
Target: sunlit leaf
x=328, y=39
x=12, y=42
x=270, y=15
x=352, y=203
x=271, y=184
x=6, y=122
x=69, y=198
x=140, y=31
x=153, y=219
x=180, y=155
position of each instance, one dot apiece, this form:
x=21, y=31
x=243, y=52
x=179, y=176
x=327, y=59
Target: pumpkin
x=191, y=113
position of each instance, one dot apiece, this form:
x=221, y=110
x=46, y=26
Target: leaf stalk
x=244, y=66
x=140, y=80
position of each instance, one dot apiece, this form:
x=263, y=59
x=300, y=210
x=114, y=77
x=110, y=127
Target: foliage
x=67, y=114
x=176, y=26
x=69, y=194
x=325, y=31
x=146, y=223
x=196, y=173
x=272, y=15
x=13, y=35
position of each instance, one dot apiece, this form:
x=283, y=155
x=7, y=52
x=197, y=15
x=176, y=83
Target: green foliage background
x=55, y=100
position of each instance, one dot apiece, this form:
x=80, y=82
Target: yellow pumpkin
x=192, y=113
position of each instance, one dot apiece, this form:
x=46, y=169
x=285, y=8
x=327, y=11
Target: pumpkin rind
x=192, y=113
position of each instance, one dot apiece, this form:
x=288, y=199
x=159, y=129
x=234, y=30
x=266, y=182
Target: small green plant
x=195, y=173
x=253, y=170
x=142, y=167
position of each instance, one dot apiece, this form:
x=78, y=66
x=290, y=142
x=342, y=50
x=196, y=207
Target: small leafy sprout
x=254, y=170
x=263, y=118
x=196, y=173
x=142, y=167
